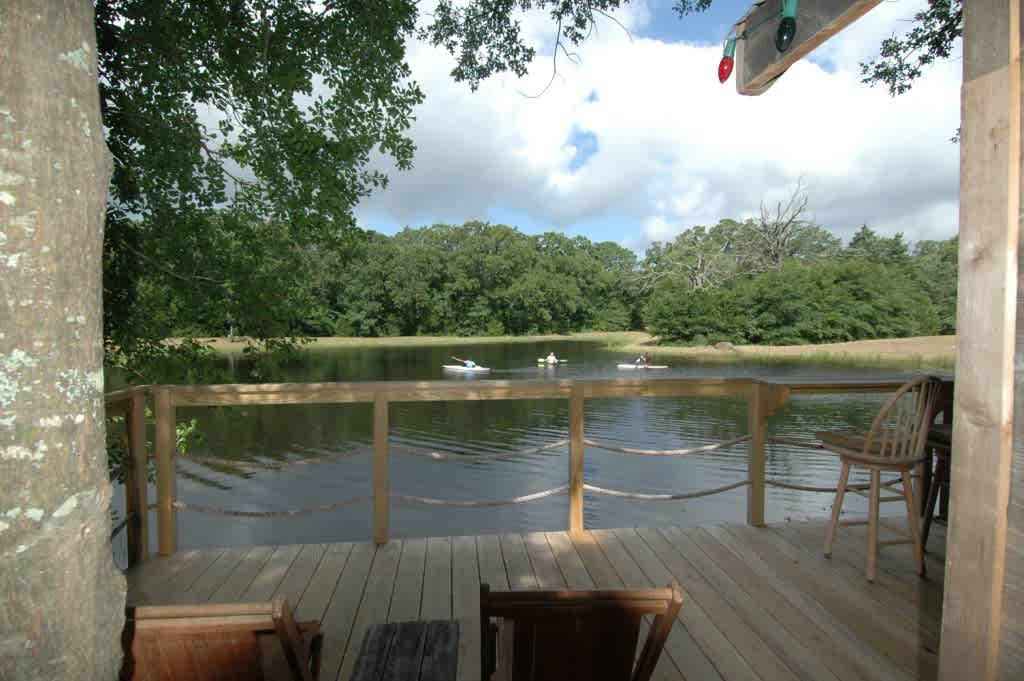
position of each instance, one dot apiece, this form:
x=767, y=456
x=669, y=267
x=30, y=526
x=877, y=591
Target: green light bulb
x=785, y=34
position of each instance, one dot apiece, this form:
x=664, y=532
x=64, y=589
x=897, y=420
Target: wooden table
x=409, y=651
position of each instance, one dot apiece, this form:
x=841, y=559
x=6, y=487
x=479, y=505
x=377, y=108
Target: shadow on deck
x=761, y=604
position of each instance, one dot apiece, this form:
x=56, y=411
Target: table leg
x=924, y=480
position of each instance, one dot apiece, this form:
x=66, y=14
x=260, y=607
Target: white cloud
x=676, y=148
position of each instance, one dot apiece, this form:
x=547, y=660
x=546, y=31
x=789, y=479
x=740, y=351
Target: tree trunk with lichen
x=61, y=598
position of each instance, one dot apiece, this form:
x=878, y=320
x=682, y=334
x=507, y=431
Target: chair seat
x=850, y=444
x=845, y=439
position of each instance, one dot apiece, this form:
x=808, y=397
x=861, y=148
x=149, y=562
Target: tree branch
x=171, y=273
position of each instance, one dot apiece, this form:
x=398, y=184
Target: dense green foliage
x=474, y=279
x=483, y=279
x=874, y=287
x=748, y=282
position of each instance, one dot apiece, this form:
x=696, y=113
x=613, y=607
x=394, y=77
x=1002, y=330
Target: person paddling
x=469, y=364
x=551, y=358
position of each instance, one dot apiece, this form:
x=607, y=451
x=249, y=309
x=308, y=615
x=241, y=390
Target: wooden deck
x=761, y=604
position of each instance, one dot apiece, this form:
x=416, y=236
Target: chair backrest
x=213, y=642
x=568, y=635
x=900, y=430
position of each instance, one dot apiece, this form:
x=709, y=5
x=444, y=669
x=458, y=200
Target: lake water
x=344, y=432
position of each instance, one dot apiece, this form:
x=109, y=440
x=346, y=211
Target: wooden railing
x=764, y=398
x=130, y=404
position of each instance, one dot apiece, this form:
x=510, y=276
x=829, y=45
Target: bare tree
x=62, y=598
x=704, y=258
x=777, y=228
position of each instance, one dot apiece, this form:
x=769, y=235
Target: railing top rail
x=830, y=385
x=227, y=394
x=422, y=391
x=124, y=394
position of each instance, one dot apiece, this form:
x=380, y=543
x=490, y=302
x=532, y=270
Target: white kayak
x=544, y=360
x=464, y=369
x=642, y=366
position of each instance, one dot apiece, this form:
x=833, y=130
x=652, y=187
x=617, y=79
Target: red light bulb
x=725, y=68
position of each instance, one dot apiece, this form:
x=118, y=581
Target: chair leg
x=837, y=506
x=929, y=509
x=872, y=567
x=915, y=534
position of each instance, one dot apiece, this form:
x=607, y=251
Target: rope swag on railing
x=449, y=456
x=268, y=514
x=664, y=497
x=267, y=465
x=476, y=504
x=668, y=452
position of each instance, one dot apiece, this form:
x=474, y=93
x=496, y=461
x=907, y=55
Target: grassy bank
x=924, y=352
x=921, y=352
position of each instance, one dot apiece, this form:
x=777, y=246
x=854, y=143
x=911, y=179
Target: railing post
x=380, y=468
x=166, y=473
x=576, y=459
x=757, y=426
x=765, y=400
x=136, y=482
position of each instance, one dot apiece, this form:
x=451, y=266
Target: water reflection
x=238, y=435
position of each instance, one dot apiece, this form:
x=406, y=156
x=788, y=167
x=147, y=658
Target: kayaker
x=470, y=364
x=551, y=358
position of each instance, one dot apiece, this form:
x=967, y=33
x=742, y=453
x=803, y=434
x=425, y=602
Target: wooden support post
x=576, y=459
x=166, y=473
x=136, y=482
x=764, y=401
x=757, y=426
x=983, y=415
x=380, y=468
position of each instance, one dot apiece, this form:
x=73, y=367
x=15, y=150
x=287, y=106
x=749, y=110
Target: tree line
x=772, y=280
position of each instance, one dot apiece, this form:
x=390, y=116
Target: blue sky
x=639, y=141
x=709, y=27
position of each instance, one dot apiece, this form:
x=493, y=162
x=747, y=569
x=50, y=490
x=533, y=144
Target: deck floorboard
x=761, y=604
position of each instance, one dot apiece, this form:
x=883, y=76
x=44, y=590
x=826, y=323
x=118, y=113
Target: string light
x=785, y=33
x=787, y=27
x=726, y=64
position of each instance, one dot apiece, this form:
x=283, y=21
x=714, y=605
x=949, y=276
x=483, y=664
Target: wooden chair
x=236, y=642
x=568, y=635
x=895, y=442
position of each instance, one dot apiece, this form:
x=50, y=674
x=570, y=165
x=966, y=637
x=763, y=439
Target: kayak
x=464, y=369
x=543, y=360
x=642, y=366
